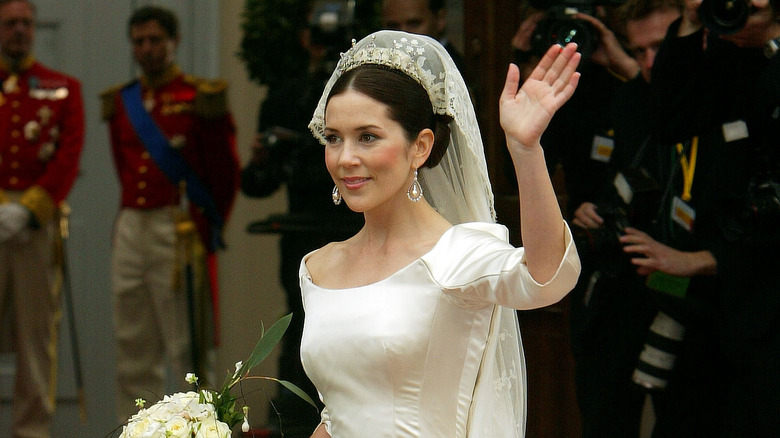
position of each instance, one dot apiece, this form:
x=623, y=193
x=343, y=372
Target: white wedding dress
x=402, y=357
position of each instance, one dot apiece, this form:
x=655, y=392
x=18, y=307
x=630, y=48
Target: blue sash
x=170, y=161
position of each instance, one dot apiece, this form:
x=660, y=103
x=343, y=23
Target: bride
x=410, y=325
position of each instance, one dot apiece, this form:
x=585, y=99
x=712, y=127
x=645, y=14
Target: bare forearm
x=320, y=432
x=699, y=263
x=541, y=221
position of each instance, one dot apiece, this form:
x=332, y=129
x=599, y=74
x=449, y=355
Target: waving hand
x=525, y=113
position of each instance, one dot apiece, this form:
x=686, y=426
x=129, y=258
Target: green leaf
x=297, y=391
x=267, y=343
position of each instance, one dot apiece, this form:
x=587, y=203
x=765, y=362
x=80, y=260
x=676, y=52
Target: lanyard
x=688, y=166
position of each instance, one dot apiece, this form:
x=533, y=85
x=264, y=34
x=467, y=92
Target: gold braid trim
x=211, y=97
x=108, y=101
x=40, y=203
x=3, y=197
x=21, y=66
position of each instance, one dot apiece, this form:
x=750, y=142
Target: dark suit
x=730, y=98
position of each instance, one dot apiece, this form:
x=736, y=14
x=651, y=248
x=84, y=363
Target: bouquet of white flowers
x=207, y=413
x=181, y=415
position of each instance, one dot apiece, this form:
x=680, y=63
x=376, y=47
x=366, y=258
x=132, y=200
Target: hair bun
x=441, y=135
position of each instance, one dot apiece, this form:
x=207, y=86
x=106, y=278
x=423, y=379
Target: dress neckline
x=307, y=275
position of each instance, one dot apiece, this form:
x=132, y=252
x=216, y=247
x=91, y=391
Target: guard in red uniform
x=173, y=142
x=41, y=137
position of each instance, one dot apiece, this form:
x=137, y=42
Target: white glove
x=14, y=218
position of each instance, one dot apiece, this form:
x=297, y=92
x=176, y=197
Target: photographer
x=611, y=306
x=285, y=153
x=579, y=138
x=716, y=83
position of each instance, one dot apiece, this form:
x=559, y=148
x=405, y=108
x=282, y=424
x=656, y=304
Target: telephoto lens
x=724, y=17
x=656, y=361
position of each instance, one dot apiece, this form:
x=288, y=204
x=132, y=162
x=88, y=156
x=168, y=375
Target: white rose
x=178, y=427
x=213, y=429
x=190, y=404
x=202, y=412
x=164, y=410
x=188, y=398
x=143, y=427
x=175, y=405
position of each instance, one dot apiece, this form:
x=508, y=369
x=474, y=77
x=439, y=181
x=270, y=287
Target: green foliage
x=225, y=402
x=270, y=46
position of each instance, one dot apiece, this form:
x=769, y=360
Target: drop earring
x=415, y=192
x=335, y=195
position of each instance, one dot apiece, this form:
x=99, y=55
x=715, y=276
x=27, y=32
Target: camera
x=332, y=26
x=560, y=27
x=724, y=17
x=633, y=202
x=288, y=150
x=656, y=361
x=601, y=244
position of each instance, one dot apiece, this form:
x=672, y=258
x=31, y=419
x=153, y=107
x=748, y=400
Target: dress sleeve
x=477, y=266
x=325, y=419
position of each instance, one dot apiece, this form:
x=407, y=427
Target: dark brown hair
x=29, y=2
x=164, y=17
x=407, y=103
x=635, y=10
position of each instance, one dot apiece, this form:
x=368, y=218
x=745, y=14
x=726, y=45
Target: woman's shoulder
x=323, y=259
x=472, y=234
x=466, y=247
x=481, y=230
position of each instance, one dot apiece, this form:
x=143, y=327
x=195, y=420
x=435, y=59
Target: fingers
x=568, y=76
x=511, y=84
x=554, y=63
x=586, y=216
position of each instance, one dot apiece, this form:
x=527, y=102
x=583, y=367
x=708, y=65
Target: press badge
x=683, y=214
x=602, y=148
x=736, y=130
x=623, y=188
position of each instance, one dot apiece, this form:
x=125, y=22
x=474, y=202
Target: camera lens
x=573, y=31
x=657, y=359
x=560, y=27
x=724, y=16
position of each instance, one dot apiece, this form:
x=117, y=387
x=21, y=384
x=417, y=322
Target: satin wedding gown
x=401, y=357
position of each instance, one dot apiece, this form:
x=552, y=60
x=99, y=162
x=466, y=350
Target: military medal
x=178, y=141
x=54, y=133
x=60, y=93
x=45, y=113
x=149, y=101
x=46, y=151
x=11, y=85
x=32, y=131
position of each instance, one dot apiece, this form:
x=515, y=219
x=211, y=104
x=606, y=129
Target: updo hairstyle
x=407, y=102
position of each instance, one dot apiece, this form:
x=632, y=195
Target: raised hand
x=525, y=113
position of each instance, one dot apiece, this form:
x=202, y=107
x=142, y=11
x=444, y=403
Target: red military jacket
x=192, y=113
x=41, y=135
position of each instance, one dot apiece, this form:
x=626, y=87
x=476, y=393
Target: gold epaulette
x=211, y=96
x=40, y=203
x=108, y=101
